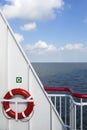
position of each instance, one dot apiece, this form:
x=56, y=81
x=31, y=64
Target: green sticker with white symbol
x=18, y=79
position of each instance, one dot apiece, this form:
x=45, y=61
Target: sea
x=71, y=75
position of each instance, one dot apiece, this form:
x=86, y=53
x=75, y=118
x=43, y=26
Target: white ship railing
x=72, y=107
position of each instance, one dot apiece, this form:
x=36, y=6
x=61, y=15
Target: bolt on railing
x=72, y=107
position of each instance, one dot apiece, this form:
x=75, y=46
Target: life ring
x=26, y=95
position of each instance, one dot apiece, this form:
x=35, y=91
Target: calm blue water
x=72, y=75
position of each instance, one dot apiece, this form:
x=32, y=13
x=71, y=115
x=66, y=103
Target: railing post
x=51, y=117
x=72, y=115
x=75, y=118
x=81, y=124
x=55, y=101
x=65, y=111
x=60, y=106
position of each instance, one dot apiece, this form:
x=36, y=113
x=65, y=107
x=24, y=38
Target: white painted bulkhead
x=14, y=63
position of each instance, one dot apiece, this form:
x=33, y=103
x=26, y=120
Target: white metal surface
x=13, y=64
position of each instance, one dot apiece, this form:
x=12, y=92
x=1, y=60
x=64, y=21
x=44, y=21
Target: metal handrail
x=74, y=94
x=74, y=107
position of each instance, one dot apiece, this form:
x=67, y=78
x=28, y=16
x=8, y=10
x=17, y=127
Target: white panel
x=44, y=118
x=13, y=125
x=17, y=66
x=3, y=56
x=56, y=125
x=3, y=70
x=41, y=117
x=14, y=64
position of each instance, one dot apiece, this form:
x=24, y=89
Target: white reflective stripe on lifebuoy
x=23, y=114
x=29, y=97
x=8, y=109
x=10, y=92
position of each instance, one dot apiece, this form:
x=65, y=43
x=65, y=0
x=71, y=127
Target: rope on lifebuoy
x=26, y=95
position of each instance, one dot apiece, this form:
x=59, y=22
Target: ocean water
x=71, y=75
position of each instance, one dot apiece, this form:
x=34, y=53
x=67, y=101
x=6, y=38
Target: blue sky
x=49, y=30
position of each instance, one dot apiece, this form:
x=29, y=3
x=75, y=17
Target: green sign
x=18, y=79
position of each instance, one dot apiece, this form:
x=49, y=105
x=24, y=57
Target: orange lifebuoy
x=26, y=95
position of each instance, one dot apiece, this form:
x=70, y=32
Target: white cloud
x=40, y=47
x=19, y=37
x=76, y=46
x=29, y=26
x=32, y=9
x=42, y=51
x=43, y=47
